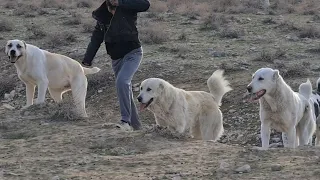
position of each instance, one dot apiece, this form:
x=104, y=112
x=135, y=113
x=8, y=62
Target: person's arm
x=96, y=39
x=135, y=5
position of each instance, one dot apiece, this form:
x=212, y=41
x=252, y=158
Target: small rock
x=7, y=96
x=276, y=167
x=224, y=167
x=12, y=93
x=100, y=91
x=232, y=111
x=176, y=178
x=55, y=178
x=181, y=68
x=8, y=106
x=243, y=169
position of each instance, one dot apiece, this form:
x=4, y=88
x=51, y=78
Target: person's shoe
x=87, y=65
x=124, y=126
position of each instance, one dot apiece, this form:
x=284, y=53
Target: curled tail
x=305, y=89
x=218, y=85
x=90, y=70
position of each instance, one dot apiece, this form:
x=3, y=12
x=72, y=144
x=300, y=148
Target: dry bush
x=65, y=111
x=308, y=7
x=158, y=6
x=309, y=32
x=288, y=26
x=36, y=31
x=269, y=21
x=231, y=32
x=270, y=56
x=316, y=18
x=314, y=50
x=53, y=4
x=5, y=25
x=153, y=33
x=75, y=19
x=60, y=39
x=26, y=10
x=293, y=70
x=7, y=84
x=214, y=22
x=84, y=4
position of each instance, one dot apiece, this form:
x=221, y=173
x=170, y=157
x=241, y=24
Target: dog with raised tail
x=181, y=110
x=283, y=109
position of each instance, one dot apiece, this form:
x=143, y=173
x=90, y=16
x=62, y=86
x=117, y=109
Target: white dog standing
x=283, y=109
x=58, y=73
x=180, y=110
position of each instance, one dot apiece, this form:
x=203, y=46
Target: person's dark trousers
x=124, y=69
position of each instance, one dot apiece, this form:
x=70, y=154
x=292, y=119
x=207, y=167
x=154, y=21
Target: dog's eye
x=261, y=79
x=148, y=89
x=141, y=88
x=10, y=45
x=18, y=46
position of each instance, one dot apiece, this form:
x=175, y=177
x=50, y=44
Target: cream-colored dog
x=283, y=109
x=181, y=110
x=55, y=72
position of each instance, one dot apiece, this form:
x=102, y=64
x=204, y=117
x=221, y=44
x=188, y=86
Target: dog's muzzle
x=143, y=106
x=14, y=59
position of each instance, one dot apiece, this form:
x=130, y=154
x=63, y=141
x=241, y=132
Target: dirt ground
x=184, y=42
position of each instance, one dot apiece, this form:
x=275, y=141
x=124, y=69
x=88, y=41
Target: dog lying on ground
x=283, y=109
x=181, y=110
x=315, y=98
x=55, y=72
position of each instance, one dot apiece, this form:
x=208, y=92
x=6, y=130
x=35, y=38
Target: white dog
x=58, y=73
x=181, y=110
x=283, y=109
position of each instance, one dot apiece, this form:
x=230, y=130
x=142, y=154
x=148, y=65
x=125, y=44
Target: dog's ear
x=161, y=86
x=276, y=74
x=25, y=44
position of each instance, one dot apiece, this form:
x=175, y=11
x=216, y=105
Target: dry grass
x=60, y=39
x=231, y=32
x=84, y=4
x=87, y=27
x=7, y=84
x=65, y=111
x=36, y=31
x=270, y=56
x=309, y=32
x=293, y=70
x=5, y=25
x=75, y=19
x=214, y=22
x=153, y=33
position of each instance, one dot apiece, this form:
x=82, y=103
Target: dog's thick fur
x=283, y=109
x=181, y=110
x=55, y=72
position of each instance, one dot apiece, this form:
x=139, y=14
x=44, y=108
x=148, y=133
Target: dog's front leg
x=265, y=134
x=42, y=89
x=30, y=89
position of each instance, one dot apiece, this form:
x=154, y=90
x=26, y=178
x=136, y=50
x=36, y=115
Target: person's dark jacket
x=119, y=31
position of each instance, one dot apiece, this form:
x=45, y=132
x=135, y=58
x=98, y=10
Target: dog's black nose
x=12, y=52
x=249, y=88
x=139, y=98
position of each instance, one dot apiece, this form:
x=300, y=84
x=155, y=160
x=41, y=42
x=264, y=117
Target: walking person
x=116, y=26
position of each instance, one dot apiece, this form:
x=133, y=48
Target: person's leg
x=124, y=70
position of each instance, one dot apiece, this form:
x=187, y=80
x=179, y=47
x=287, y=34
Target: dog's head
x=15, y=49
x=263, y=82
x=150, y=90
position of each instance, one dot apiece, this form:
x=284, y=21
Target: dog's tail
x=218, y=85
x=305, y=89
x=90, y=70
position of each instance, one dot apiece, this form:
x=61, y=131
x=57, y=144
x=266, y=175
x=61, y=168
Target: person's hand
x=114, y=2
